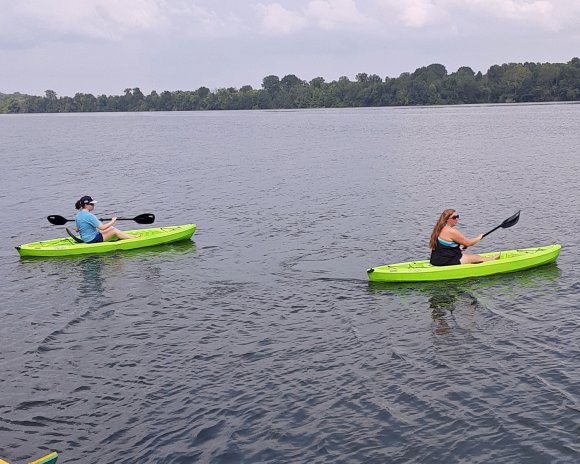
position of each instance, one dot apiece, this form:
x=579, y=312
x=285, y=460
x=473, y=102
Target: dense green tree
x=247, y=98
x=271, y=84
x=165, y=101
x=461, y=87
x=402, y=85
x=317, y=82
x=13, y=107
x=51, y=101
x=152, y=101
x=290, y=81
x=264, y=100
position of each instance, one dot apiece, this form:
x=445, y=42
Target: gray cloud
x=104, y=46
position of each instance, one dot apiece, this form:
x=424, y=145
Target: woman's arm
x=108, y=225
x=458, y=237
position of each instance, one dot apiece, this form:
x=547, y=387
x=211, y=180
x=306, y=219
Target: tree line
x=429, y=85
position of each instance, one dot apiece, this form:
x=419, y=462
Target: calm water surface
x=261, y=340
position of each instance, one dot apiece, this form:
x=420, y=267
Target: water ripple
x=261, y=340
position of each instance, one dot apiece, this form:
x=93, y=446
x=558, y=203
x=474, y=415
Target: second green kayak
x=145, y=238
x=509, y=261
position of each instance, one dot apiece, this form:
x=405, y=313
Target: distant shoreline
x=427, y=86
x=288, y=110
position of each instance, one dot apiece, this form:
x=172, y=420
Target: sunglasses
x=455, y=216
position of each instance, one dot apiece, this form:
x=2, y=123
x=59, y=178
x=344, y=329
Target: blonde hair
x=445, y=215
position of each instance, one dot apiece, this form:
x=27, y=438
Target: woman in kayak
x=91, y=229
x=446, y=240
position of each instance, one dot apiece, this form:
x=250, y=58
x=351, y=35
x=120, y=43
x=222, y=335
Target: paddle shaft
x=487, y=233
x=107, y=219
x=492, y=230
x=509, y=222
x=102, y=219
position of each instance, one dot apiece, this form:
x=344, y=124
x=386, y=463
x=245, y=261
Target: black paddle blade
x=146, y=218
x=57, y=220
x=511, y=221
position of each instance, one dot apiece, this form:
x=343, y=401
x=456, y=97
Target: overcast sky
x=105, y=46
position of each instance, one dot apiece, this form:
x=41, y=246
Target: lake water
x=261, y=340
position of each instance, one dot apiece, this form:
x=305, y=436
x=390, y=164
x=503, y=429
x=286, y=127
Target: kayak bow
x=423, y=271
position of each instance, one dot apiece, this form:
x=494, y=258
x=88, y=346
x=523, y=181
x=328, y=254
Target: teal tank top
x=446, y=243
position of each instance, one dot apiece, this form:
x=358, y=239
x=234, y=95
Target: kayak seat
x=74, y=237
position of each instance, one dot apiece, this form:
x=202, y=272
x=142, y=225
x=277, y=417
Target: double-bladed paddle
x=146, y=218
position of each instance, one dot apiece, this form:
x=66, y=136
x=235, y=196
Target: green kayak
x=509, y=261
x=145, y=238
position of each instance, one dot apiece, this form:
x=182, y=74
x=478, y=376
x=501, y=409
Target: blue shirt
x=87, y=224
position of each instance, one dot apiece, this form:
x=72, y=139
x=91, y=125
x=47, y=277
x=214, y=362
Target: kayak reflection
x=444, y=301
x=91, y=272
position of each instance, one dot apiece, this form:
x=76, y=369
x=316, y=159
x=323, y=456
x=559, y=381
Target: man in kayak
x=446, y=240
x=91, y=229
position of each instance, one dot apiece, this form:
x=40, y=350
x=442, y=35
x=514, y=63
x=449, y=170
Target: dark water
x=261, y=340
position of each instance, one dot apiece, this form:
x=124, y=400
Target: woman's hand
x=108, y=225
x=472, y=242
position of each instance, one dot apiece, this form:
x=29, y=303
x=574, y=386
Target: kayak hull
x=145, y=238
x=509, y=261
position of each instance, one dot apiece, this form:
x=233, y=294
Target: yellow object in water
x=48, y=459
